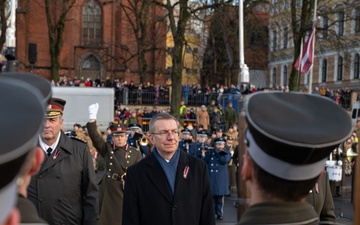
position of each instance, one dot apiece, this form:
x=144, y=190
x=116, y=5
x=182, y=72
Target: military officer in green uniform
x=118, y=156
x=288, y=141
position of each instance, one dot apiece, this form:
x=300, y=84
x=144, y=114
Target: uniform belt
x=115, y=176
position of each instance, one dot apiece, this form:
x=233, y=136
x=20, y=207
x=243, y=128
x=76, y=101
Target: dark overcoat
x=148, y=198
x=64, y=191
x=111, y=189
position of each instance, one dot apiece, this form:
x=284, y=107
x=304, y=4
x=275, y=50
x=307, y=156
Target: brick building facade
x=98, y=40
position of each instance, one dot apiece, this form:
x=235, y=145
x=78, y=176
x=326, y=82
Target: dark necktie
x=49, y=150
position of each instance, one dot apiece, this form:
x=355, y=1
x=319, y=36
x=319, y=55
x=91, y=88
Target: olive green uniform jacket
x=320, y=198
x=280, y=213
x=110, y=186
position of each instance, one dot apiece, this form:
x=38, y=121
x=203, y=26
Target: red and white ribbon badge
x=57, y=152
x=186, y=171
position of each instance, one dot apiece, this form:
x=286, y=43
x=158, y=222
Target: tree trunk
x=176, y=78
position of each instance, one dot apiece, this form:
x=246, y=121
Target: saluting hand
x=93, y=109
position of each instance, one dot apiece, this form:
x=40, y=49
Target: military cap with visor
x=290, y=135
x=202, y=133
x=134, y=126
x=17, y=94
x=219, y=140
x=185, y=131
x=119, y=131
x=55, y=108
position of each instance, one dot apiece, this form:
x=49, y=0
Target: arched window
x=91, y=23
x=90, y=67
x=356, y=66
x=324, y=70
x=91, y=63
x=274, y=78
x=340, y=66
x=285, y=76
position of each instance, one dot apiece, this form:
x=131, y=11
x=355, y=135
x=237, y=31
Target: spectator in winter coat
x=203, y=118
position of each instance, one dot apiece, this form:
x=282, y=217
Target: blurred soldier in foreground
x=321, y=199
x=19, y=156
x=118, y=156
x=289, y=140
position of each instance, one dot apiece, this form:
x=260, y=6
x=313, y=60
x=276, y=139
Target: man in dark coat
x=169, y=187
x=118, y=156
x=64, y=191
x=287, y=149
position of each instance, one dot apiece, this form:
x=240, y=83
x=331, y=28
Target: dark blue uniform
x=196, y=147
x=217, y=166
x=182, y=146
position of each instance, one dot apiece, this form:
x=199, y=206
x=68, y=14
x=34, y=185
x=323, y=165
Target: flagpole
x=299, y=71
x=313, y=52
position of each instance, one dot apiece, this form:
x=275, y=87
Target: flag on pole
x=307, y=53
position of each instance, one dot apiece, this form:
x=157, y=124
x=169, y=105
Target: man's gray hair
x=161, y=116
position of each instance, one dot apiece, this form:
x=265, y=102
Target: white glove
x=93, y=109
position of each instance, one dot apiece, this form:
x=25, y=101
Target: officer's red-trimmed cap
x=119, y=131
x=55, y=108
x=291, y=134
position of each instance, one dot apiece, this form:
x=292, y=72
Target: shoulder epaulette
x=133, y=148
x=78, y=139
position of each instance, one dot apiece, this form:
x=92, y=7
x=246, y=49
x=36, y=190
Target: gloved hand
x=93, y=109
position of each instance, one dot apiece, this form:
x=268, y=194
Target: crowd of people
x=185, y=174
x=193, y=95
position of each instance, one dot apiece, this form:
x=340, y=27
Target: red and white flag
x=307, y=53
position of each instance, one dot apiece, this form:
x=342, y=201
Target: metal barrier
x=162, y=97
x=190, y=122
x=145, y=124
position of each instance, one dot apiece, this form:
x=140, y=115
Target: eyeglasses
x=165, y=133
